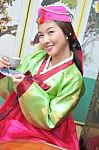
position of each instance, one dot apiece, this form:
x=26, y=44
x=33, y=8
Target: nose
x=46, y=38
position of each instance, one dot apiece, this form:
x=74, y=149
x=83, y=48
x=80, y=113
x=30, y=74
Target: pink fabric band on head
x=59, y=13
x=53, y=13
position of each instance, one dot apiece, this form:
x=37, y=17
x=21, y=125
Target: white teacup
x=14, y=61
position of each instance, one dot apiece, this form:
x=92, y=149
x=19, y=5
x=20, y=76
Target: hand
x=4, y=62
x=17, y=79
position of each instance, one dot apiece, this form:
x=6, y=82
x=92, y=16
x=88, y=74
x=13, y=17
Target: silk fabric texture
x=41, y=110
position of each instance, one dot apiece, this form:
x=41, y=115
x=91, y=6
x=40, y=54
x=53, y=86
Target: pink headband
x=53, y=13
x=58, y=13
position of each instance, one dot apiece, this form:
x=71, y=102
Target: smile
x=48, y=48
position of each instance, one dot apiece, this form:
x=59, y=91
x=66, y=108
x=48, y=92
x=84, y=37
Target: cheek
x=62, y=43
x=41, y=41
x=55, y=38
x=59, y=37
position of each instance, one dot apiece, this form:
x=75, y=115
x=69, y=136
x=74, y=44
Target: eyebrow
x=46, y=30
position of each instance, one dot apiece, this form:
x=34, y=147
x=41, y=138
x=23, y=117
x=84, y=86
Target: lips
x=49, y=47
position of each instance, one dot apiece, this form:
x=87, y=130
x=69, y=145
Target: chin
x=51, y=54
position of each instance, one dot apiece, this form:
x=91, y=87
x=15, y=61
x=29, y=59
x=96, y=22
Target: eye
x=50, y=32
x=40, y=36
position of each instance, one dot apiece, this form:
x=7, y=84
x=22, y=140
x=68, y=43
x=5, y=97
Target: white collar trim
x=60, y=63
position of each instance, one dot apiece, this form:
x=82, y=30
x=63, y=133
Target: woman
x=39, y=103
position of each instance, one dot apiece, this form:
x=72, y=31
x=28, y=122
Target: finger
x=16, y=81
x=19, y=76
x=4, y=62
x=5, y=58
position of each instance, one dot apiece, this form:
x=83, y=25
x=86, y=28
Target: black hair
x=74, y=44
x=36, y=39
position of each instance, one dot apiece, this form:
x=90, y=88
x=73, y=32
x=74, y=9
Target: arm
x=6, y=84
x=43, y=111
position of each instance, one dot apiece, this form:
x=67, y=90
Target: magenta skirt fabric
x=14, y=126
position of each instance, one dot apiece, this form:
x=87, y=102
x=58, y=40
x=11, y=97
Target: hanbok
x=41, y=108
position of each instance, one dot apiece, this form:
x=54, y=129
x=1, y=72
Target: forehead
x=47, y=25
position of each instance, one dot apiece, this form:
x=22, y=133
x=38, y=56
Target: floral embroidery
x=44, y=110
x=56, y=117
x=75, y=99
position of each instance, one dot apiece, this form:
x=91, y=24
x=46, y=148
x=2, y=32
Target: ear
x=66, y=37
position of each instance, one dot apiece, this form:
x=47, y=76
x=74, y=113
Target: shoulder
x=38, y=52
x=72, y=80
x=73, y=75
x=32, y=60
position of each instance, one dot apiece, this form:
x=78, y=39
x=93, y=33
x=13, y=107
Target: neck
x=62, y=56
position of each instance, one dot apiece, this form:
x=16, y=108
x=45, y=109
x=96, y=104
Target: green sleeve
x=45, y=112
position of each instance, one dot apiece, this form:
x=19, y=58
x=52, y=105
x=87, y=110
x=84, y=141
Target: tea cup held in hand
x=14, y=61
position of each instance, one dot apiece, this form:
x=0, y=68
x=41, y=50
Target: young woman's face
x=52, y=38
